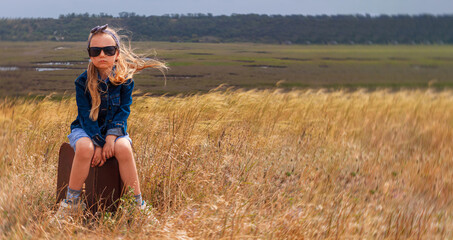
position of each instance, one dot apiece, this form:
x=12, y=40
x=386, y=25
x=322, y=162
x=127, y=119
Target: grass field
x=246, y=141
x=197, y=67
x=265, y=164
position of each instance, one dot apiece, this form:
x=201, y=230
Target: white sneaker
x=146, y=212
x=68, y=210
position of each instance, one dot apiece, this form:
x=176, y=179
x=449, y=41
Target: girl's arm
x=84, y=107
x=118, y=126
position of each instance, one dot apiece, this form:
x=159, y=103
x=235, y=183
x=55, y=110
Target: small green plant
x=124, y=214
x=127, y=205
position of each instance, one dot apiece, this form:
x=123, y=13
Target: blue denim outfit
x=78, y=133
x=113, y=113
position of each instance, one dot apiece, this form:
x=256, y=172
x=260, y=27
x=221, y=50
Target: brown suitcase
x=103, y=186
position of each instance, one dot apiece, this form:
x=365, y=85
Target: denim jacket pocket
x=115, y=99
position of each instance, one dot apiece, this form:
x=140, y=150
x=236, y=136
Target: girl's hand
x=97, y=158
x=109, y=147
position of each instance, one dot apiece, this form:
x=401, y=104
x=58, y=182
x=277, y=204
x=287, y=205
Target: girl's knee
x=122, y=146
x=85, y=148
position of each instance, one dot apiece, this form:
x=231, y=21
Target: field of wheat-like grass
x=251, y=164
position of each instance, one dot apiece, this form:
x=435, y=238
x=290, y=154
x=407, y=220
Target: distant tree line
x=282, y=29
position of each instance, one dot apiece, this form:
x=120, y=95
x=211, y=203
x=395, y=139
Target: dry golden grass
x=256, y=164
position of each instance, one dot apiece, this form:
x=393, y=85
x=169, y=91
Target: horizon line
x=133, y=14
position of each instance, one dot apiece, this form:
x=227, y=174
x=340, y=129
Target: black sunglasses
x=95, y=51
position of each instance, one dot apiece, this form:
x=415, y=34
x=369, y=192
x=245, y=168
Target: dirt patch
x=202, y=54
x=264, y=66
x=398, y=59
x=443, y=58
x=260, y=52
x=245, y=61
x=295, y=59
x=348, y=59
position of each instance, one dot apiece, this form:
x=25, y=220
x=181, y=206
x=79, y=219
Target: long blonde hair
x=128, y=63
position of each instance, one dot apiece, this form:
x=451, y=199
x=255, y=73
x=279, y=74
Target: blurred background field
x=246, y=140
x=266, y=164
x=39, y=68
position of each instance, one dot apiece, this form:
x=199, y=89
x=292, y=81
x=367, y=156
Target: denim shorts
x=78, y=133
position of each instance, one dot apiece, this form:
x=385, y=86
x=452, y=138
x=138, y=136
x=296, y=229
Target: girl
x=104, y=96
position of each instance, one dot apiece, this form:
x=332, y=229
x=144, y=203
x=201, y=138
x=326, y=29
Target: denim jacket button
x=110, y=120
x=110, y=107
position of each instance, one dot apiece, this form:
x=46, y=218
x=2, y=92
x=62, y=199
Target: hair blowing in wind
x=127, y=64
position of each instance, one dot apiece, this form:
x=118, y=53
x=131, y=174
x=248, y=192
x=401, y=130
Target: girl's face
x=103, y=62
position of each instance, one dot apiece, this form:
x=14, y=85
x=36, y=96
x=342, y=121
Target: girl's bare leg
x=81, y=164
x=128, y=170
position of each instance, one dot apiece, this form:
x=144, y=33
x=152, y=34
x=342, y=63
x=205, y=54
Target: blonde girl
x=104, y=96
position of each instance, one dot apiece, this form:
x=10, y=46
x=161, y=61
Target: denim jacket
x=113, y=113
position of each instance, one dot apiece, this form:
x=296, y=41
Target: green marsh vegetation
x=197, y=67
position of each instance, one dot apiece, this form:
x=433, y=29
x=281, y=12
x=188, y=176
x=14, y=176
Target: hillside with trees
x=280, y=29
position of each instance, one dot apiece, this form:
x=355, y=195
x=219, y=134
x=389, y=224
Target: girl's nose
x=102, y=53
